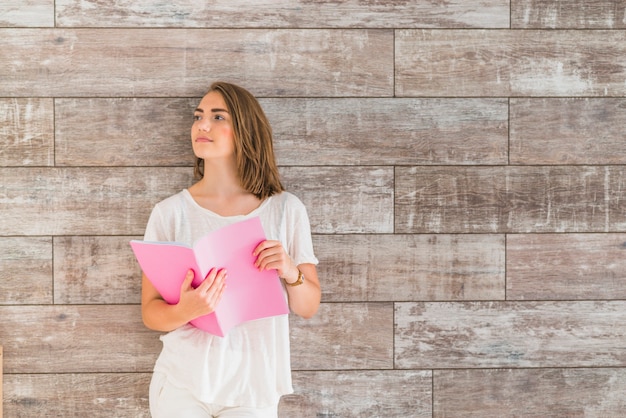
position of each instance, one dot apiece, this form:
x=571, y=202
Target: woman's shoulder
x=173, y=202
x=287, y=200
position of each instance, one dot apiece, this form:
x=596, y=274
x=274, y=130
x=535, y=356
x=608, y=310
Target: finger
x=188, y=279
x=208, y=280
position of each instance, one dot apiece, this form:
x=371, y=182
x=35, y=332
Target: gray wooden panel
x=131, y=132
x=26, y=129
x=510, y=334
x=574, y=14
x=25, y=270
x=392, y=393
x=410, y=267
x=344, y=336
x=77, y=395
x=510, y=63
x=179, y=62
x=27, y=13
x=568, y=131
x=118, y=201
x=76, y=339
x=344, y=199
x=96, y=270
x=84, y=201
x=529, y=393
x=417, y=131
x=566, y=266
x=295, y=14
x=389, y=131
x=510, y=199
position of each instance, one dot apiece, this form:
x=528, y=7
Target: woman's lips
x=203, y=139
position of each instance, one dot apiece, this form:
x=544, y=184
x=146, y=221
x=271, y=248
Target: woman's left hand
x=271, y=255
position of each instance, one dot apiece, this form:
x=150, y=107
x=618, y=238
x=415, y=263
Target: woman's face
x=212, y=134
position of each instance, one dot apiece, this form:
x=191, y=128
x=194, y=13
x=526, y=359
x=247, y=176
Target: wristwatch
x=298, y=282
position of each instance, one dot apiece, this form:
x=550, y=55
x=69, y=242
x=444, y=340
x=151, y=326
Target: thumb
x=188, y=279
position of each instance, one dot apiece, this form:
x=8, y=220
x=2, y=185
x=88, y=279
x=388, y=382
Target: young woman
x=245, y=373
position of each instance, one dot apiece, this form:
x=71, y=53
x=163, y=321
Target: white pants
x=168, y=401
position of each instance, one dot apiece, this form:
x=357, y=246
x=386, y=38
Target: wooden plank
x=96, y=270
x=67, y=201
x=132, y=132
x=568, y=131
x=416, y=131
x=566, y=266
x=510, y=199
x=295, y=14
x=419, y=131
x=529, y=393
x=504, y=63
x=344, y=199
x=25, y=270
x=26, y=128
x=391, y=268
x=84, y=201
x=77, y=339
x=27, y=13
x=389, y=393
x=180, y=62
x=343, y=336
x=77, y=395
x=509, y=334
x=564, y=14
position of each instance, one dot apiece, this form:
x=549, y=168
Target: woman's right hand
x=204, y=299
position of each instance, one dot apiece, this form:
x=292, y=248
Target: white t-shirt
x=250, y=366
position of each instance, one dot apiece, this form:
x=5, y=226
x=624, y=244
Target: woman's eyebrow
x=212, y=110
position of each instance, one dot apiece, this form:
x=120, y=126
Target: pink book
x=250, y=294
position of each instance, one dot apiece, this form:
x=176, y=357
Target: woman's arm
x=304, y=299
x=159, y=315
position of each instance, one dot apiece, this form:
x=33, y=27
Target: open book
x=250, y=294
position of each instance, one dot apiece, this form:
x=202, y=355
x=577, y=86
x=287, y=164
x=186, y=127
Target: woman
x=245, y=373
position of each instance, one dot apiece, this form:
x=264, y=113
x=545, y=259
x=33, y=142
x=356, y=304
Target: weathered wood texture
x=573, y=14
x=535, y=393
x=495, y=63
x=27, y=132
x=180, y=62
x=278, y=14
x=391, y=393
x=462, y=163
x=566, y=266
x=568, y=131
x=512, y=334
x=510, y=199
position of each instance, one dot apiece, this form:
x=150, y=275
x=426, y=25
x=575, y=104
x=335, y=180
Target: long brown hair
x=254, y=149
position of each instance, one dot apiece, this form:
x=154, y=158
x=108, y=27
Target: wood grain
x=100, y=270
x=27, y=13
x=509, y=334
x=566, y=266
x=398, y=267
x=360, y=394
x=529, y=393
x=344, y=336
x=503, y=63
x=124, y=132
x=564, y=14
x=76, y=339
x=344, y=199
x=27, y=132
x=25, y=270
x=297, y=14
x=568, y=131
x=509, y=199
x=181, y=62
x=83, y=201
x=77, y=395
x=389, y=131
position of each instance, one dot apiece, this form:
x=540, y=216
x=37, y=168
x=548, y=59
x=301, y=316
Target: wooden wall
x=463, y=162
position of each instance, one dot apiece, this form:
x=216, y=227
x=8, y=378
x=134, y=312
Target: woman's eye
x=197, y=117
x=218, y=117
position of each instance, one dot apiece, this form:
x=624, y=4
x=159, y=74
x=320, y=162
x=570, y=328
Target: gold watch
x=298, y=282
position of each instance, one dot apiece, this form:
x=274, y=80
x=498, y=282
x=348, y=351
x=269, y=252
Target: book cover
x=250, y=294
